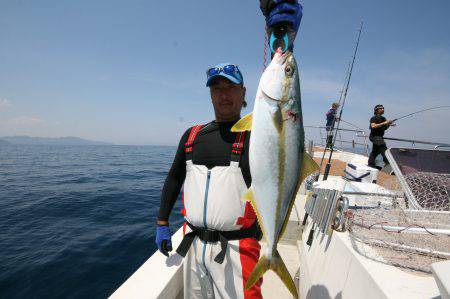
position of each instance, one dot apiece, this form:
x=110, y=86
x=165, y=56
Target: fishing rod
x=330, y=131
x=343, y=97
x=423, y=110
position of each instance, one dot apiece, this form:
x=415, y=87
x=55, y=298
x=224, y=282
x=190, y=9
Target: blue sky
x=133, y=72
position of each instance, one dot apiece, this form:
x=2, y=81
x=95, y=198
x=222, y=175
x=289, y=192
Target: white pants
x=213, y=199
x=204, y=278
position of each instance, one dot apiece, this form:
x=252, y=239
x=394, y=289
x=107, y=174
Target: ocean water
x=77, y=221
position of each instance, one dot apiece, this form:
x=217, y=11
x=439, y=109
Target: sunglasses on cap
x=229, y=69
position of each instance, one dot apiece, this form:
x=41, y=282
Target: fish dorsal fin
x=244, y=124
x=308, y=166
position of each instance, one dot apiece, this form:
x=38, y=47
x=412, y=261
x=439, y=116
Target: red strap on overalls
x=189, y=143
x=238, y=144
x=188, y=150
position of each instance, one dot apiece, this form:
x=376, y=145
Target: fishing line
x=353, y=125
x=266, y=40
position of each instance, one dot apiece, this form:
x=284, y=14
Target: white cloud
x=5, y=103
x=23, y=121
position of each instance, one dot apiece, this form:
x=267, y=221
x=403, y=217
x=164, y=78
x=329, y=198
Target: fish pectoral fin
x=278, y=266
x=308, y=166
x=244, y=124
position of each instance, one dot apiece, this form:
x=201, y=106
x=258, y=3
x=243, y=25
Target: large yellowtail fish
x=278, y=163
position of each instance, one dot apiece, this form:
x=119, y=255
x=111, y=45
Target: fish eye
x=289, y=70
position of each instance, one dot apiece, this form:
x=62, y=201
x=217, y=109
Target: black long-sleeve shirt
x=377, y=119
x=212, y=147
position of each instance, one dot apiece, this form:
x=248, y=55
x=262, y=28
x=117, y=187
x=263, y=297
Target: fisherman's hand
x=282, y=12
x=163, y=239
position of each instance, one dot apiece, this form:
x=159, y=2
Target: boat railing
x=344, y=137
x=360, y=139
x=413, y=142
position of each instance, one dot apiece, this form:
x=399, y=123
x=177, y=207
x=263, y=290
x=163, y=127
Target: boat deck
x=330, y=268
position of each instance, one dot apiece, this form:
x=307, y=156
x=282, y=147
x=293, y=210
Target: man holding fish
x=232, y=190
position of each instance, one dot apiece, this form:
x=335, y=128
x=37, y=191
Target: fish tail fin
x=261, y=267
x=277, y=265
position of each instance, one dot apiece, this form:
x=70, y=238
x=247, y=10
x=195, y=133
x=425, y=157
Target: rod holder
x=327, y=171
x=310, y=237
x=304, y=219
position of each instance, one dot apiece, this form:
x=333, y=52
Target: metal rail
x=406, y=229
x=440, y=145
x=346, y=130
x=323, y=133
x=412, y=141
x=371, y=194
x=398, y=174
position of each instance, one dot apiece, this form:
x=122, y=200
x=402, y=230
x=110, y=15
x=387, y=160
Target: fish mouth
x=280, y=57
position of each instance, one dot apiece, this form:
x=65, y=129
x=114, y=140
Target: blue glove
x=163, y=239
x=286, y=11
x=283, y=19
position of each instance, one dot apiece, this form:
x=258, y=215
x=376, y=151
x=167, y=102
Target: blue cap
x=234, y=76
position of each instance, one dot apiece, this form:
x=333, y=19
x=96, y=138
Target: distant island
x=49, y=141
x=4, y=142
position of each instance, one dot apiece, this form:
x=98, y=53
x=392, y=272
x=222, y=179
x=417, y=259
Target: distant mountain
x=4, y=142
x=51, y=141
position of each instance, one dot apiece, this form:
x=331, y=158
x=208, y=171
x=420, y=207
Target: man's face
x=380, y=111
x=227, y=99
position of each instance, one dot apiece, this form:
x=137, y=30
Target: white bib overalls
x=213, y=199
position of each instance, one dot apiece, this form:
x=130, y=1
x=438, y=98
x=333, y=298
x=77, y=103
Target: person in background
x=331, y=118
x=221, y=233
x=378, y=125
